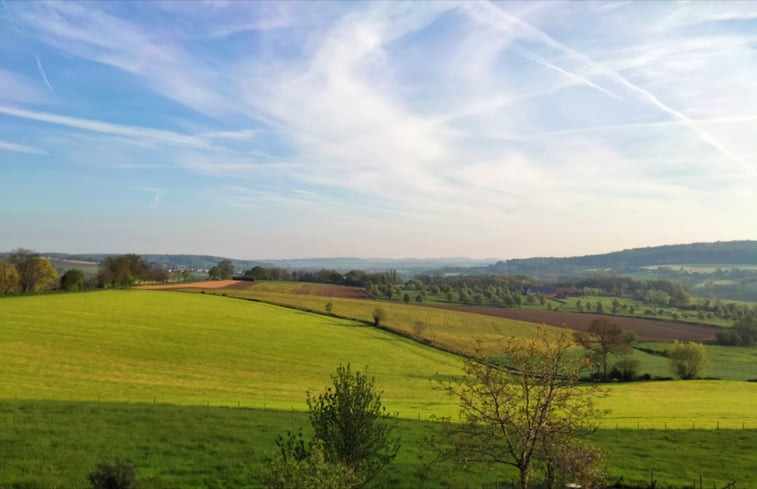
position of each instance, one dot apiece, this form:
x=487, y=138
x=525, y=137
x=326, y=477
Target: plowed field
x=208, y=284
x=645, y=329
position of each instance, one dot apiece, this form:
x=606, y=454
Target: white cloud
x=20, y=148
x=139, y=133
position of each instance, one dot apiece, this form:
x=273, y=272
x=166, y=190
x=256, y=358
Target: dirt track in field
x=208, y=284
x=645, y=329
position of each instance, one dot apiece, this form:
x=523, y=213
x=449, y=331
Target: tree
x=298, y=465
x=121, y=270
x=510, y=413
x=602, y=338
x=72, y=280
x=34, y=272
x=226, y=268
x=185, y=275
x=351, y=421
x=687, y=360
x=118, y=474
x=379, y=315
x=215, y=273
x=8, y=278
x=406, y=298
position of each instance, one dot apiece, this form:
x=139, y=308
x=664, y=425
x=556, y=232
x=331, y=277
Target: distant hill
x=721, y=253
x=341, y=264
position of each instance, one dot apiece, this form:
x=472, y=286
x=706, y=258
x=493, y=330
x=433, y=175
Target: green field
x=54, y=444
x=169, y=370
x=145, y=346
x=725, y=362
x=451, y=330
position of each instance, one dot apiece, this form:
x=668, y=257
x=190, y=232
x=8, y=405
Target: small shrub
x=118, y=474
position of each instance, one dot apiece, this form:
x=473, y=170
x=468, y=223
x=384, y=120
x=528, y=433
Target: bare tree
x=602, y=338
x=509, y=412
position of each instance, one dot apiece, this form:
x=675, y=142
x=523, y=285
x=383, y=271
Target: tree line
x=27, y=272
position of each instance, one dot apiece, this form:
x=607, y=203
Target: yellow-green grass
x=165, y=347
x=725, y=362
x=152, y=346
x=700, y=404
x=454, y=331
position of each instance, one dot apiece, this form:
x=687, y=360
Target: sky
x=428, y=129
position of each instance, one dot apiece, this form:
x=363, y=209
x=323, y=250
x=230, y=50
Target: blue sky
x=430, y=129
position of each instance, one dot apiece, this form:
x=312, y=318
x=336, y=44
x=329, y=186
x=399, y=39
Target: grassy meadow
x=450, y=330
x=194, y=389
x=54, y=444
x=146, y=346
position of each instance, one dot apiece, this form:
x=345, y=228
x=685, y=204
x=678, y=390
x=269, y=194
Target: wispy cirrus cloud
x=140, y=133
x=20, y=148
x=44, y=75
x=493, y=119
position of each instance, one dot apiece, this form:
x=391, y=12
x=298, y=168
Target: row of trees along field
x=26, y=272
x=516, y=290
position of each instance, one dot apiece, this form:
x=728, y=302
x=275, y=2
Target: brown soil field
x=343, y=292
x=645, y=329
x=208, y=284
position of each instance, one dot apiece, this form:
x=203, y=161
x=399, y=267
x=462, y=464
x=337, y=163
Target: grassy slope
x=55, y=444
x=725, y=362
x=451, y=330
x=182, y=348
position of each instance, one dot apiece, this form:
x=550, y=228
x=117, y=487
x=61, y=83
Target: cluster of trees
x=223, y=271
x=653, y=292
x=743, y=333
x=355, y=278
x=26, y=272
x=125, y=270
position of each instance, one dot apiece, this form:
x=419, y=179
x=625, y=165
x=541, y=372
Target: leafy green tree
x=602, y=338
x=72, y=280
x=34, y=272
x=8, y=278
x=215, y=273
x=746, y=329
x=118, y=474
x=406, y=298
x=688, y=360
x=298, y=465
x=226, y=268
x=121, y=271
x=353, y=424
